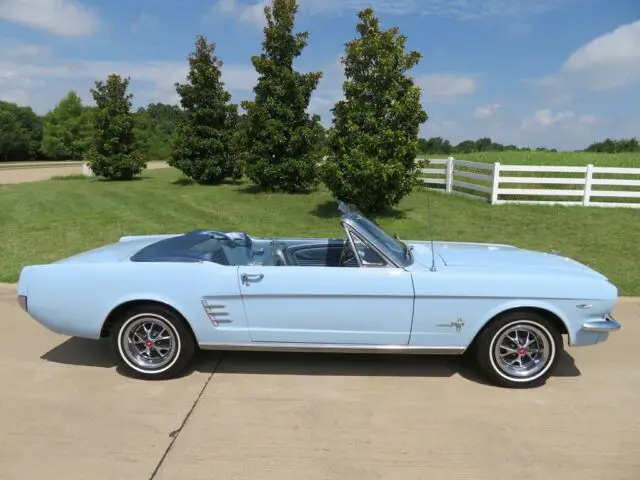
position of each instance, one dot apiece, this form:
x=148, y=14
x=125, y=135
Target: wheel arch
x=120, y=309
x=552, y=316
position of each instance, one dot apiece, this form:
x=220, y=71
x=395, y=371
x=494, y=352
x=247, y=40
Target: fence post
x=449, y=179
x=495, y=183
x=588, y=176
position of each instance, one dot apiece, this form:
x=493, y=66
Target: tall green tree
x=238, y=145
x=156, y=125
x=374, y=136
x=202, y=146
x=20, y=132
x=283, y=141
x=114, y=152
x=67, y=129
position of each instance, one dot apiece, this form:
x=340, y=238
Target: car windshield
x=398, y=249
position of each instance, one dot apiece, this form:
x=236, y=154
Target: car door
x=327, y=305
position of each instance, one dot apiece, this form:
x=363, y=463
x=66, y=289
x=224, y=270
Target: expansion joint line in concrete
x=176, y=433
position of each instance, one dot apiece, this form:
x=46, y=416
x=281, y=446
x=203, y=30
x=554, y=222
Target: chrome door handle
x=247, y=278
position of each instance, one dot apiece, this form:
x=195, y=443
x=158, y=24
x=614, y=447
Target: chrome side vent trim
x=217, y=313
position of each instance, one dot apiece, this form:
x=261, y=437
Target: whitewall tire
x=519, y=350
x=152, y=342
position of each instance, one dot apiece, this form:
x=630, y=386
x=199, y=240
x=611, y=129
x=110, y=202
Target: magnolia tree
x=373, y=141
x=202, y=145
x=282, y=141
x=114, y=152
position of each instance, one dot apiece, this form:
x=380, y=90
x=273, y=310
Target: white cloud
x=42, y=81
x=564, y=129
x=59, y=17
x=446, y=85
x=608, y=62
x=251, y=11
x=561, y=129
x=485, y=111
x=621, y=46
x=461, y=9
x=245, y=13
x=13, y=49
x=588, y=119
x=435, y=87
x=546, y=118
x=226, y=6
x=253, y=15
x=145, y=21
x=561, y=99
x=329, y=89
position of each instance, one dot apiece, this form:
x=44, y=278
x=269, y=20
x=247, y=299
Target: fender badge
x=458, y=324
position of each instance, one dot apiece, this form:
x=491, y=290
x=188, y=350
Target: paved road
x=66, y=413
x=36, y=174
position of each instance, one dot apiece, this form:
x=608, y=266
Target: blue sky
x=555, y=73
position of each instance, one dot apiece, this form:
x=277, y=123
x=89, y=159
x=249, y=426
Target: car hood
x=496, y=256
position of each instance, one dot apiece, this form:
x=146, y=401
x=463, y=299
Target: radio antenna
x=430, y=227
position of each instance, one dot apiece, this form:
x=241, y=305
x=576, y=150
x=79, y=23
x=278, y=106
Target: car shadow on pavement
x=82, y=351
x=94, y=353
x=358, y=365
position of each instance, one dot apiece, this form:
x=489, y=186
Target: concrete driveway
x=39, y=172
x=66, y=413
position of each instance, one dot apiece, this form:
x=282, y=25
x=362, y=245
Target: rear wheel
x=519, y=350
x=152, y=342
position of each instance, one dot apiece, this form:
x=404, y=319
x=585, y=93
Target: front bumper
x=609, y=324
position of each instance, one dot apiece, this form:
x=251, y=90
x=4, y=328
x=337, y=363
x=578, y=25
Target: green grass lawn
x=44, y=221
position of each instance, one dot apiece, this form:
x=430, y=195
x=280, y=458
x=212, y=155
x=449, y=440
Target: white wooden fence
x=485, y=181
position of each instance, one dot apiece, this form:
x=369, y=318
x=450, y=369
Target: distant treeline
x=439, y=145
x=64, y=132
x=615, y=146
x=24, y=135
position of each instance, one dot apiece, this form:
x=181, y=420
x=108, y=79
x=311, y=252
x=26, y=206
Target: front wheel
x=152, y=342
x=519, y=350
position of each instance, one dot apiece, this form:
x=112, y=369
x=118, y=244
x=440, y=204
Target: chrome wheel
x=149, y=342
x=522, y=350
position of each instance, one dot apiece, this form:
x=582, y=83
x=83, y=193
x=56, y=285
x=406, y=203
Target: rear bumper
x=609, y=324
x=22, y=301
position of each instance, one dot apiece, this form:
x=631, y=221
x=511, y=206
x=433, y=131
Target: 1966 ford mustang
x=158, y=298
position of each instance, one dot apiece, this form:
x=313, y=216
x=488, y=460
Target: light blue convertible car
x=158, y=298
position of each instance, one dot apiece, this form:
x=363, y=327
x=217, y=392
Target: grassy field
x=551, y=158
x=45, y=221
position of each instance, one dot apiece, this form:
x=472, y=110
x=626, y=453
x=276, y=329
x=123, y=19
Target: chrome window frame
x=351, y=232
x=378, y=247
